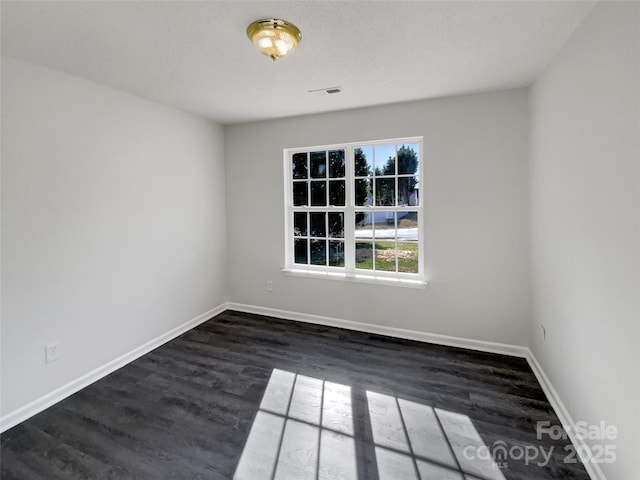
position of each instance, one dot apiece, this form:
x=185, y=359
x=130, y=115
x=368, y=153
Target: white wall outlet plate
x=52, y=352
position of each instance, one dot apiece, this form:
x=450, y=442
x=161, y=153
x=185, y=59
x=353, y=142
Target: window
x=353, y=211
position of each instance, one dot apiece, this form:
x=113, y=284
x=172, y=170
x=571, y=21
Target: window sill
x=357, y=278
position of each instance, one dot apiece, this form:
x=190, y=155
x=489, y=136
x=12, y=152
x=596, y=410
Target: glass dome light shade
x=274, y=38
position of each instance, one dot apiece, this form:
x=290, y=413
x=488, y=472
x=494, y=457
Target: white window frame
x=349, y=272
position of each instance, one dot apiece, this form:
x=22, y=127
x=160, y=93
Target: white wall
x=585, y=226
x=476, y=216
x=113, y=225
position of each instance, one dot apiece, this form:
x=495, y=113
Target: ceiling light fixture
x=274, y=38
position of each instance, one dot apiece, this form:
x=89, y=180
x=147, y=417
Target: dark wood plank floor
x=185, y=410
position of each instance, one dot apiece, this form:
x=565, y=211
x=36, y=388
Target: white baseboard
x=481, y=345
x=19, y=415
x=593, y=469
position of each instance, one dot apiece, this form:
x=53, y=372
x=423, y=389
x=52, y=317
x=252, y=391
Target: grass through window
x=385, y=255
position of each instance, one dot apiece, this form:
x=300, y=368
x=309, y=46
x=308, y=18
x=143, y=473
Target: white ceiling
x=196, y=56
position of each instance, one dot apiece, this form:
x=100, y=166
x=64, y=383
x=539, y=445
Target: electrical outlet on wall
x=52, y=352
x=269, y=285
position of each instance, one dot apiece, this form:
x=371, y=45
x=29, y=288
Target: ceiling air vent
x=326, y=91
